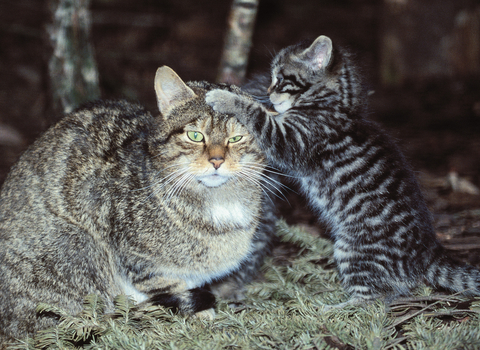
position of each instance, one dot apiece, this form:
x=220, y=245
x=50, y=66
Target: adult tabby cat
x=353, y=175
x=112, y=200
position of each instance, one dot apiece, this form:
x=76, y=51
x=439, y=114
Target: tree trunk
x=72, y=68
x=238, y=41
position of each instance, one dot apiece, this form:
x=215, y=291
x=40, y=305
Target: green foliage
x=283, y=311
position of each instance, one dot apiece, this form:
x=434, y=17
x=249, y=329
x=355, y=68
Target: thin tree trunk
x=238, y=41
x=72, y=68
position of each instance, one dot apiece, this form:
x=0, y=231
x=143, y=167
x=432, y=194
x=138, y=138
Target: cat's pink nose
x=217, y=161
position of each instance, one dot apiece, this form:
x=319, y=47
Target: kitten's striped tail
x=453, y=275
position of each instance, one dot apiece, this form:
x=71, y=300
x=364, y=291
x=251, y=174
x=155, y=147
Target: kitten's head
x=296, y=68
x=197, y=147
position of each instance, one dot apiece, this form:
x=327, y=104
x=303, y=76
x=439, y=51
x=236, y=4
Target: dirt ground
x=436, y=122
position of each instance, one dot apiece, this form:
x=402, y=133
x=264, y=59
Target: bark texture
x=238, y=41
x=72, y=67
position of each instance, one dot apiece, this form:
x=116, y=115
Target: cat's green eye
x=235, y=139
x=195, y=136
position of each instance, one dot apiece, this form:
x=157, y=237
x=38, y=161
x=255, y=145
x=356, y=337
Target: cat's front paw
x=221, y=101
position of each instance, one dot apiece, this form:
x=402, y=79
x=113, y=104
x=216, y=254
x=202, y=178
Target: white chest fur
x=230, y=214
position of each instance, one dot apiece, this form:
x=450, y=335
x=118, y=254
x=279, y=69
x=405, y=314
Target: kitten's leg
x=362, y=277
x=361, y=290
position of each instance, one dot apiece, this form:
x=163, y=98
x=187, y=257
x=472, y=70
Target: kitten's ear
x=170, y=89
x=320, y=52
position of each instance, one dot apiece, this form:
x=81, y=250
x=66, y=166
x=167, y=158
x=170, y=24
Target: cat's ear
x=170, y=89
x=319, y=53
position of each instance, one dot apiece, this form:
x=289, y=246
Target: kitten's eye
x=235, y=139
x=195, y=136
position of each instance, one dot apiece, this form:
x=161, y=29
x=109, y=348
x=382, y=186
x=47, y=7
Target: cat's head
x=196, y=146
x=296, y=68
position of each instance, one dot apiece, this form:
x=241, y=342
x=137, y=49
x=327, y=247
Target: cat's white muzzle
x=213, y=180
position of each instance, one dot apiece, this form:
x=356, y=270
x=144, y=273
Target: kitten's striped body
x=352, y=173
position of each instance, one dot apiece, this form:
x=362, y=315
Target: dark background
x=433, y=112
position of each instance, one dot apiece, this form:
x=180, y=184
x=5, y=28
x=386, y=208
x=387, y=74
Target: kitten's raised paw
x=221, y=101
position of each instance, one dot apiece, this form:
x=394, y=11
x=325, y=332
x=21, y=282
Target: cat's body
x=352, y=173
x=114, y=201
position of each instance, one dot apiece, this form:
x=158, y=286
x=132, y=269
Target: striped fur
x=353, y=174
x=113, y=200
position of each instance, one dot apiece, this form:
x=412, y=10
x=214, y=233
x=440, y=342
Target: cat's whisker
x=179, y=184
x=187, y=179
x=256, y=181
x=190, y=180
x=170, y=193
x=173, y=175
x=259, y=169
x=271, y=181
x=281, y=195
x=258, y=178
x=185, y=163
x=276, y=185
x=275, y=171
x=170, y=177
x=161, y=179
x=181, y=165
x=156, y=183
x=161, y=184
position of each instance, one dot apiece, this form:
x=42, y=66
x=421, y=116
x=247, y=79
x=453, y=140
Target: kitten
x=112, y=200
x=353, y=175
